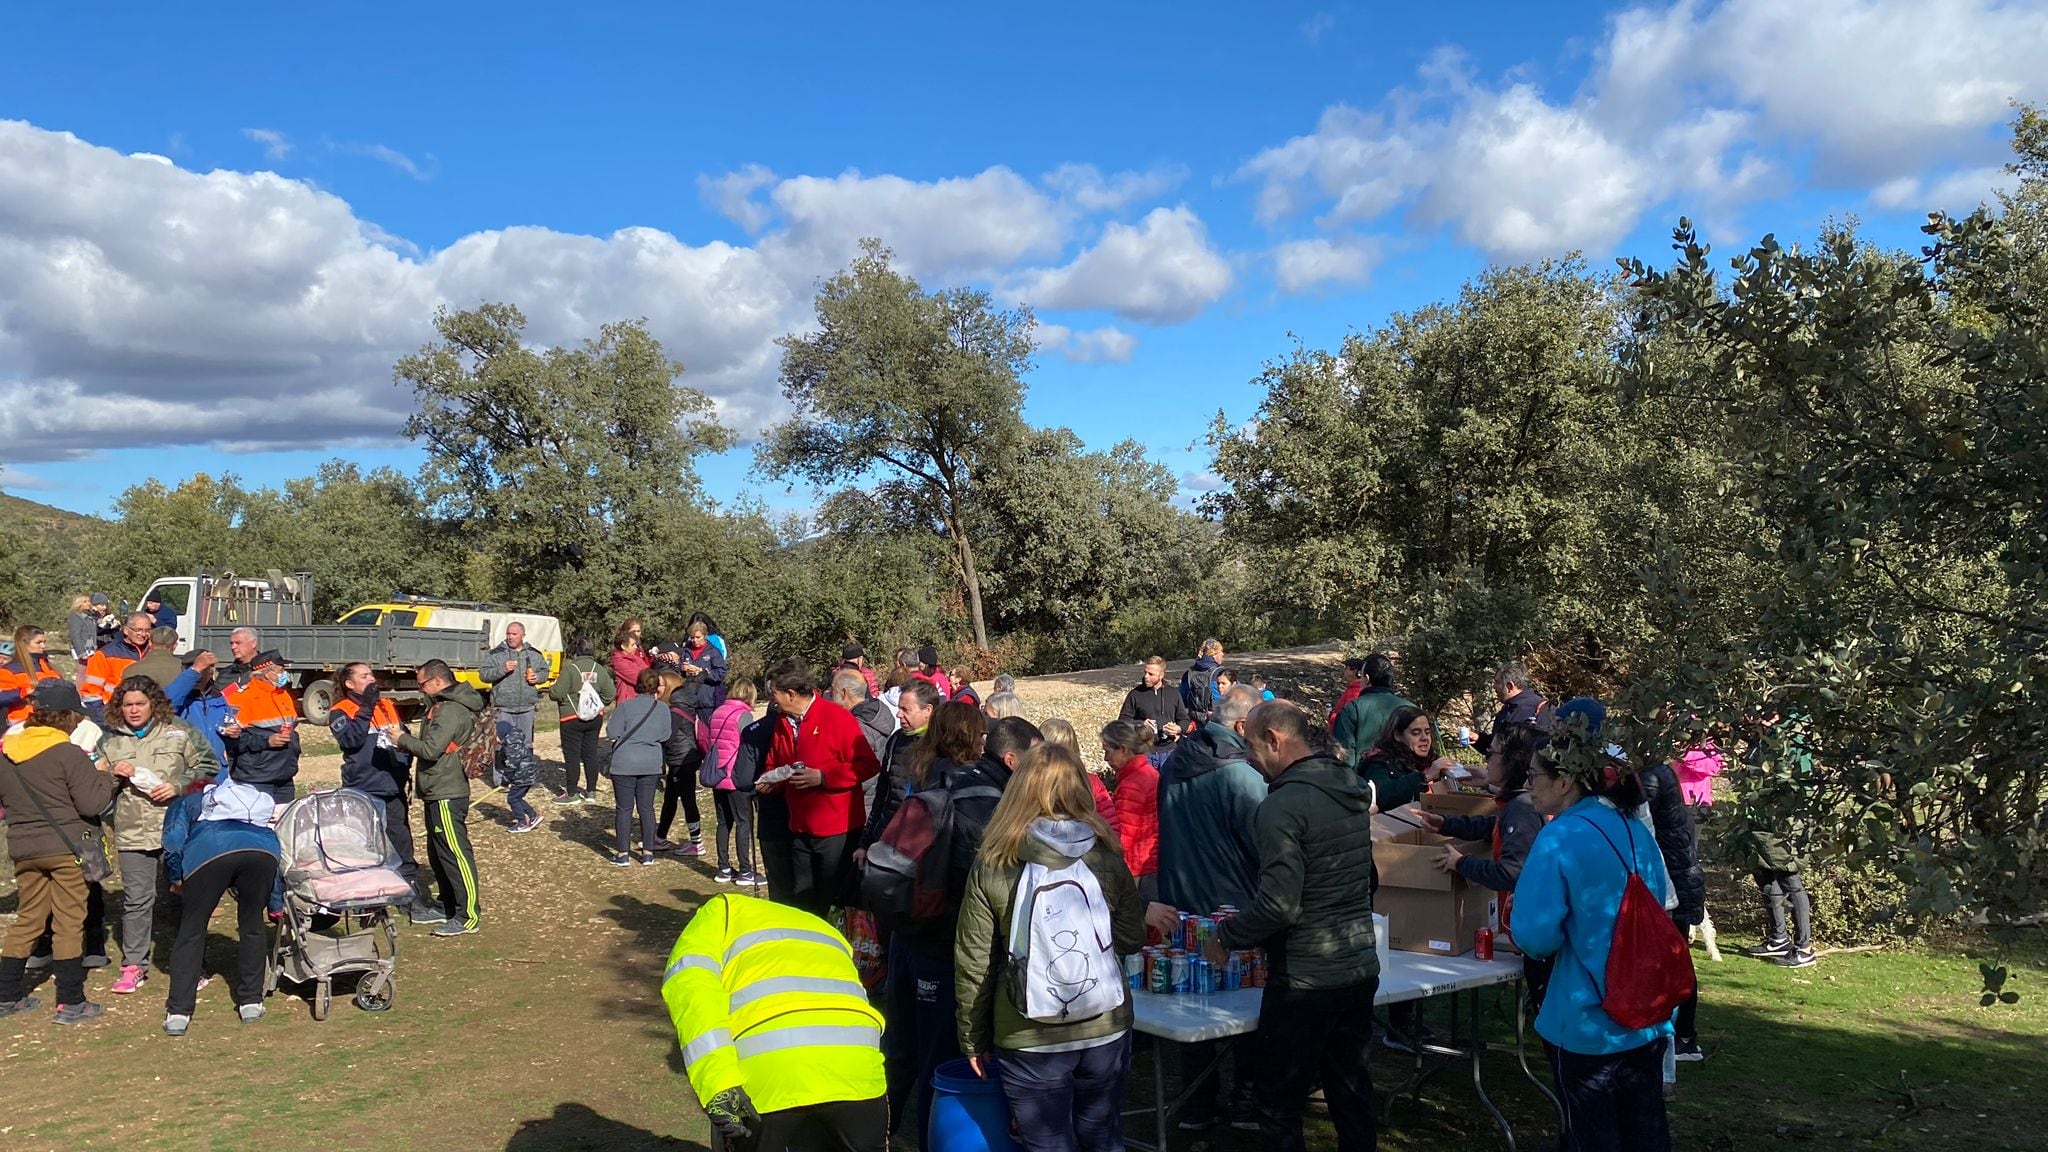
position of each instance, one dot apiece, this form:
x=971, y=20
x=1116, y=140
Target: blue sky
x=217, y=234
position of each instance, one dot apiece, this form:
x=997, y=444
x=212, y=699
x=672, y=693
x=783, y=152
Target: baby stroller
x=341, y=883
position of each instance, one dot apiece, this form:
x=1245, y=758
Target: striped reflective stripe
x=777, y=985
x=704, y=962
x=704, y=1045
x=770, y=935
x=817, y=1036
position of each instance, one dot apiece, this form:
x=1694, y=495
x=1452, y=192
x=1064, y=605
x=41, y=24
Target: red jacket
x=829, y=739
x=626, y=668
x=1137, y=809
x=1350, y=693
x=1105, y=805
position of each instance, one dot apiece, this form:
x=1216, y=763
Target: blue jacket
x=203, y=708
x=1208, y=796
x=374, y=771
x=1566, y=901
x=191, y=843
x=166, y=616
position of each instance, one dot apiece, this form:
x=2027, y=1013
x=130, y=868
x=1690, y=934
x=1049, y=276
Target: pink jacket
x=727, y=722
x=1697, y=766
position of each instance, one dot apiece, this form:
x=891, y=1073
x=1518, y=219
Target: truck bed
x=384, y=647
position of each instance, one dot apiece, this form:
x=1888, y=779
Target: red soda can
x=1482, y=944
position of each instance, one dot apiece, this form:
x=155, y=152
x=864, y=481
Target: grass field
x=545, y=1031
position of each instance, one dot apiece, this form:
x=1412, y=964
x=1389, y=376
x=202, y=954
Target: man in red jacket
x=831, y=759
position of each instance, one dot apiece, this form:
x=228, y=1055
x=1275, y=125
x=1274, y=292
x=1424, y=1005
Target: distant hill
x=53, y=525
x=44, y=561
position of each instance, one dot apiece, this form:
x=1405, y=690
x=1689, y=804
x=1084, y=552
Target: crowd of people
x=975, y=842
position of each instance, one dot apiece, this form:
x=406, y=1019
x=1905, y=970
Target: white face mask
x=282, y=679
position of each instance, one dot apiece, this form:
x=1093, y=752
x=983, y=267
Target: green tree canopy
x=912, y=391
x=567, y=473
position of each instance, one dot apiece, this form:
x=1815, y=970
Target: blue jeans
x=1069, y=1101
x=922, y=1033
x=515, y=760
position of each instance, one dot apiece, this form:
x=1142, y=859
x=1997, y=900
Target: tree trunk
x=972, y=579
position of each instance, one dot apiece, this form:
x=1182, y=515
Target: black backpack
x=905, y=884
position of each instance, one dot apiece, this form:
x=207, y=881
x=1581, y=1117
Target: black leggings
x=581, y=761
x=250, y=876
x=735, y=823
x=630, y=793
x=681, y=787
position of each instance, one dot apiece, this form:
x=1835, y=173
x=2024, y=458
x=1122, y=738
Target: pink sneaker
x=132, y=976
x=693, y=848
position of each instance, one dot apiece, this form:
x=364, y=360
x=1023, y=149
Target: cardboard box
x=1429, y=910
x=1460, y=803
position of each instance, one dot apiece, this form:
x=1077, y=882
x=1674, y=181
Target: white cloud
x=1107, y=345
x=1682, y=104
x=1317, y=26
x=1299, y=265
x=275, y=146
x=969, y=226
x=1201, y=482
x=1084, y=186
x=385, y=154
x=143, y=304
x=19, y=481
x=732, y=196
x=1161, y=271
x=1957, y=192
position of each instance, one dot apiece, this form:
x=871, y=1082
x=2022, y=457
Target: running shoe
x=725, y=876
x=250, y=1013
x=175, y=1025
x=693, y=848
x=622, y=860
x=132, y=976
x=1797, y=958
x=455, y=928
x=1688, y=1052
x=1768, y=950
x=78, y=1013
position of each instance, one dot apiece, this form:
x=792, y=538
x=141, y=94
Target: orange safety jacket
x=261, y=704
x=18, y=680
x=104, y=670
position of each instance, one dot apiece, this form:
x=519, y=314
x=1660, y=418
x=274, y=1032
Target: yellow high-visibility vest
x=766, y=997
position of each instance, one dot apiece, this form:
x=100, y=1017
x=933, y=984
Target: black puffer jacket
x=1313, y=909
x=1678, y=840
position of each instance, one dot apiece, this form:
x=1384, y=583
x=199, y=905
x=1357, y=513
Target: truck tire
x=315, y=701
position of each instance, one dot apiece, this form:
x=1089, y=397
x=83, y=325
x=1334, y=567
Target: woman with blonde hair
x=1064, y=1080
x=84, y=628
x=1060, y=732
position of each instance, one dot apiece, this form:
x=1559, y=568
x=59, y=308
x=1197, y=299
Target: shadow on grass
x=1926, y=1080
x=576, y=1127
x=652, y=929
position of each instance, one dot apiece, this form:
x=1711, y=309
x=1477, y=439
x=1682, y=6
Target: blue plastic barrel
x=969, y=1114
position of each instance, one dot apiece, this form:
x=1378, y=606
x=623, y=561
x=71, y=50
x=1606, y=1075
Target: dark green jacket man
x=1313, y=910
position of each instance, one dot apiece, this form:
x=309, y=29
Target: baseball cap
x=853, y=652
x=929, y=654
x=58, y=696
x=101, y=599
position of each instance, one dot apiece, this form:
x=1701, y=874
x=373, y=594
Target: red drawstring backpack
x=1649, y=966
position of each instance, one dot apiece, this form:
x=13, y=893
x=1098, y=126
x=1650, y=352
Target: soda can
x=1183, y=971
x=1134, y=972
x=1205, y=930
x=1162, y=971
x=1180, y=932
x=1226, y=910
x=1233, y=972
x=1204, y=976
x=1482, y=944
x=1259, y=968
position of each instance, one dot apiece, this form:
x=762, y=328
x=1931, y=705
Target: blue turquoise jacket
x=191, y=843
x=203, y=708
x=1566, y=902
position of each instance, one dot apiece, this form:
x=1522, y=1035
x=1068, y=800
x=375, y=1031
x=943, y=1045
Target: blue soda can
x=1204, y=977
x=1233, y=972
x=1183, y=972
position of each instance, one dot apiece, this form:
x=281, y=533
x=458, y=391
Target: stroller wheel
x=377, y=992
x=323, y=998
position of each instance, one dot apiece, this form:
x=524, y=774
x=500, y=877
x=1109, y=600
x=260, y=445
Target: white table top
x=1408, y=976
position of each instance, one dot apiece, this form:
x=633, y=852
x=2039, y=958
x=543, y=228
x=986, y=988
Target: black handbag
x=94, y=863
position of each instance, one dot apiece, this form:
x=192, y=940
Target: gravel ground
x=1312, y=676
